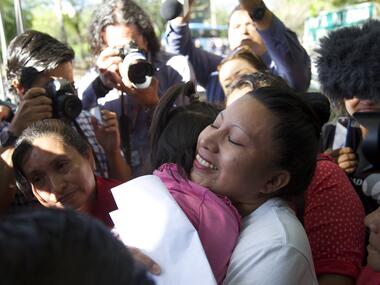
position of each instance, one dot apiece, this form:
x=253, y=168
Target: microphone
x=371, y=186
x=171, y=9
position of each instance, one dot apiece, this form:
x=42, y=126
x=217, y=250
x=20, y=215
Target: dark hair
x=33, y=52
x=174, y=130
x=295, y=134
x=48, y=127
x=52, y=246
x=320, y=104
x=245, y=53
x=259, y=79
x=348, y=63
x=115, y=12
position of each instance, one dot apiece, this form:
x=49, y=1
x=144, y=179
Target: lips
x=205, y=163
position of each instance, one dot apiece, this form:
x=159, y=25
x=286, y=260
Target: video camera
x=140, y=70
x=65, y=101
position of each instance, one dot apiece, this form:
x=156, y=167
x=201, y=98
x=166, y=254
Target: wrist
x=99, y=87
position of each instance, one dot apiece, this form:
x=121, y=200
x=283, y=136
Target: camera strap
x=125, y=131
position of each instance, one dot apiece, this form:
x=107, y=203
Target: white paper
x=150, y=219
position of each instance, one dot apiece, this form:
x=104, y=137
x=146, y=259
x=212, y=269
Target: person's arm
x=109, y=137
x=333, y=222
x=283, y=48
x=178, y=41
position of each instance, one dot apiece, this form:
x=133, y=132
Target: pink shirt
x=214, y=217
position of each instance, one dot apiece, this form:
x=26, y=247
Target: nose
x=209, y=139
x=57, y=184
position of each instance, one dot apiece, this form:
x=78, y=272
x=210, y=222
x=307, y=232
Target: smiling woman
x=57, y=164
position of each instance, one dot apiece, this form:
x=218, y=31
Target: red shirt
x=334, y=221
x=368, y=277
x=104, y=202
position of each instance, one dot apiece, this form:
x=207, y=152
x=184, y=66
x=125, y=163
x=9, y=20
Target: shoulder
x=274, y=224
x=105, y=184
x=269, y=246
x=164, y=58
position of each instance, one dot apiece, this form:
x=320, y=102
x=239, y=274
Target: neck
x=245, y=209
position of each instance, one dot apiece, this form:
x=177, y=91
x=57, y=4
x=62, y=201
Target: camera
x=140, y=70
x=66, y=104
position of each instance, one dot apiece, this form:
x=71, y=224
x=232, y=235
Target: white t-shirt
x=272, y=249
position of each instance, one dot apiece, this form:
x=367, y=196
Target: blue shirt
x=284, y=57
x=170, y=69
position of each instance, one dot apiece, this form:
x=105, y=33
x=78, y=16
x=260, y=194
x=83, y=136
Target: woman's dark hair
x=174, y=130
x=121, y=12
x=320, y=104
x=48, y=127
x=245, y=53
x=33, y=52
x=295, y=133
x=54, y=246
x=258, y=80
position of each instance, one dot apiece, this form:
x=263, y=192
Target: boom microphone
x=171, y=9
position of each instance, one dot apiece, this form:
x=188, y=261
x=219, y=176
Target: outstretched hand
x=107, y=132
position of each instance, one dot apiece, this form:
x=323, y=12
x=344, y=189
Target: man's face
x=119, y=35
x=243, y=31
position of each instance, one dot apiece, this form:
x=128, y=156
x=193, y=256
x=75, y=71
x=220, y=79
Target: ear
x=19, y=88
x=278, y=180
x=90, y=157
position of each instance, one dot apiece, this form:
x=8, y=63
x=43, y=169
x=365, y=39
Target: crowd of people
x=273, y=188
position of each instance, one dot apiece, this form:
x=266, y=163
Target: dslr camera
x=66, y=104
x=140, y=70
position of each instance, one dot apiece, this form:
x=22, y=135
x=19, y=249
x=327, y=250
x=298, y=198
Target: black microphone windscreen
x=170, y=9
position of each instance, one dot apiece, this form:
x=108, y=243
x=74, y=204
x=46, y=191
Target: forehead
x=44, y=150
x=235, y=66
x=251, y=115
x=239, y=17
x=118, y=35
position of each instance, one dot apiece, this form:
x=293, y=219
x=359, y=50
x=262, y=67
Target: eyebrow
x=237, y=126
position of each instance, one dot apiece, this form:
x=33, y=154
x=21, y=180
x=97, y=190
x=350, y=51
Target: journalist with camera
x=131, y=73
x=40, y=72
x=349, y=72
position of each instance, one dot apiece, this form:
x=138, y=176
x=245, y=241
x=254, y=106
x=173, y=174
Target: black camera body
x=371, y=143
x=140, y=70
x=66, y=104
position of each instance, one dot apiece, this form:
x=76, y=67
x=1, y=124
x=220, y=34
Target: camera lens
x=71, y=107
x=138, y=71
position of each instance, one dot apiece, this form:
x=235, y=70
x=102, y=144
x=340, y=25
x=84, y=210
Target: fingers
x=347, y=159
x=372, y=221
x=150, y=264
x=107, y=58
x=34, y=92
x=110, y=122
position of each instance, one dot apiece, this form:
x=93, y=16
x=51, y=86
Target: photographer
x=348, y=66
x=251, y=24
x=40, y=71
x=121, y=33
